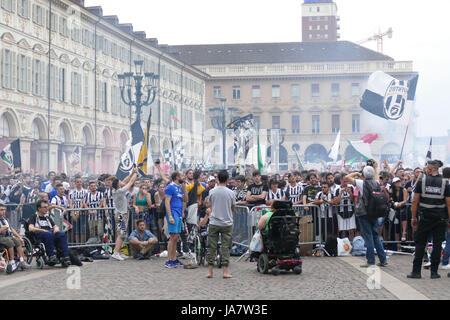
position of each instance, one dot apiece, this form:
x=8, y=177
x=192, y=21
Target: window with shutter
x=62, y=87
x=29, y=75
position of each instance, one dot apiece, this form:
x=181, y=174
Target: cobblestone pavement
x=322, y=278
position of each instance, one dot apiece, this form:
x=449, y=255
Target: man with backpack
x=372, y=204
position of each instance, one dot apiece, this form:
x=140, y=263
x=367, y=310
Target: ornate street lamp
x=144, y=88
x=218, y=121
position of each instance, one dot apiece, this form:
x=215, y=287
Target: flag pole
x=404, y=140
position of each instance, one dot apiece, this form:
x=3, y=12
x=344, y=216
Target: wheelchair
x=27, y=251
x=34, y=249
x=280, y=245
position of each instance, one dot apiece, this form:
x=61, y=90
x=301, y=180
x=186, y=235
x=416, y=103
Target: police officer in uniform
x=432, y=202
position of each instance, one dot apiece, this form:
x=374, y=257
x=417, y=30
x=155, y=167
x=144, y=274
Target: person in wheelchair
x=280, y=232
x=10, y=240
x=44, y=229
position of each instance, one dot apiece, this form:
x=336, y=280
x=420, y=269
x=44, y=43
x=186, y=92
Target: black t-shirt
x=256, y=190
x=45, y=223
x=310, y=192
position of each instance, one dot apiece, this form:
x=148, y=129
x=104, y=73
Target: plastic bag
x=344, y=247
x=256, y=243
x=164, y=254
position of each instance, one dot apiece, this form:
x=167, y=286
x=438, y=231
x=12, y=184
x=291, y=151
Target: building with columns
x=308, y=90
x=76, y=101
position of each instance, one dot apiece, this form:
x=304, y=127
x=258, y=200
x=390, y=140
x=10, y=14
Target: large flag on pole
x=334, y=153
x=11, y=156
x=129, y=158
x=145, y=161
x=390, y=98
x=363, y=146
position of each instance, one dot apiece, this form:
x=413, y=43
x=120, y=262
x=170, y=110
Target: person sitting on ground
x=142, y=241
x=11, y=239
x=45, y=230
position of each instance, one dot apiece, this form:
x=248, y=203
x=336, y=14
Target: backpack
x=331, y=246
x=375, y=200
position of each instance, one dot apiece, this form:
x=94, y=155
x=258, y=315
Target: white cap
x=211, y=178
x=396, y=179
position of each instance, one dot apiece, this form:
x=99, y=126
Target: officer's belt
x=433, y=206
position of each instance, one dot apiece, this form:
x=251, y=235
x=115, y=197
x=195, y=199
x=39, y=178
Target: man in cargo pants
x=222, y=202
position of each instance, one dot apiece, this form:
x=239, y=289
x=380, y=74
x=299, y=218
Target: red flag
x=370, y=138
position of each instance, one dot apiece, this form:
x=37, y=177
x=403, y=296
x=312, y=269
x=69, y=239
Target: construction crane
x=378, y=37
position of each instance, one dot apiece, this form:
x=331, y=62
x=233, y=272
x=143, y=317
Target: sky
x=420, y=34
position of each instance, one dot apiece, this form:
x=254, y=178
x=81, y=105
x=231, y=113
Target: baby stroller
x=280, y=243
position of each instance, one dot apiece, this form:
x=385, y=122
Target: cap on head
x=211, y=178
x=396, y=179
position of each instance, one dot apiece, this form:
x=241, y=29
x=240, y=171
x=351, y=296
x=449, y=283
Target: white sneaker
x=428, y=264
x=124, y=257
x=117, y=257
x=446, y=267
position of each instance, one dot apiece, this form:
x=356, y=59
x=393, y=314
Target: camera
x=370, y=163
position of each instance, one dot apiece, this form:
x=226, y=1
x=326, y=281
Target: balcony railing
x=307, y=68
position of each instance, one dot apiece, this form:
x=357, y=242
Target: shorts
x=121, y=224
x=10, y=242
x=346, y=224
x=174, y=228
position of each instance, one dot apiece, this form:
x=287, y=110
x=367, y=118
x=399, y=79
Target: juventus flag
x=11, y=156
x=389, y=98
x=129, y=158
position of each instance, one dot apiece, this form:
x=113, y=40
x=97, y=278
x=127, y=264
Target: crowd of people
x=164, y=207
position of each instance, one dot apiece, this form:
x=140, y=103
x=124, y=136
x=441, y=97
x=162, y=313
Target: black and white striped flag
x=389, y=98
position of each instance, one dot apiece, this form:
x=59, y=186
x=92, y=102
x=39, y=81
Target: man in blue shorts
x=175, y=202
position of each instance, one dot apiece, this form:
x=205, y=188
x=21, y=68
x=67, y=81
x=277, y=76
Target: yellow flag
x=143, y=155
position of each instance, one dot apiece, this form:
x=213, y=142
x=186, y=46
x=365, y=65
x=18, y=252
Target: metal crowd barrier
x=241, y=235
x=317, y=223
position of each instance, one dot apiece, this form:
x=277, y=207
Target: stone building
x=76, y=101
x=308, y=90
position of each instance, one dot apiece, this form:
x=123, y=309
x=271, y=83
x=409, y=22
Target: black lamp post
x=218, y=121
x=145, y=88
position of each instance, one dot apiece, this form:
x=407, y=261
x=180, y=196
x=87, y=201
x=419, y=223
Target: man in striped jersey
x=79, y=219
x=293, y=190
x=274, y=193
x=107, y=195
x=94, y=200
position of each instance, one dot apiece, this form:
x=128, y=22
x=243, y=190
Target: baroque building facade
x=64, y=93
x=309, y=91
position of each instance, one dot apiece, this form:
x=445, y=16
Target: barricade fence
x=320, y=222
x=87, y=226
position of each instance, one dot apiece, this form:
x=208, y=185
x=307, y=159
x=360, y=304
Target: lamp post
x=218, y=121
x=145, y=88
